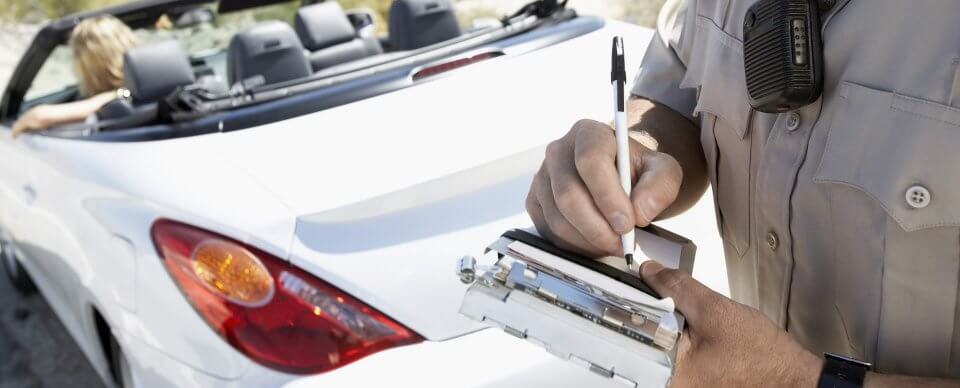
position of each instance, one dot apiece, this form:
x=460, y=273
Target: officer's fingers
x=595, y=154
x=657, y=186
x=686, y=366
x=553, y=225
x=575, y=203
x=533, y=207
x=692, y=298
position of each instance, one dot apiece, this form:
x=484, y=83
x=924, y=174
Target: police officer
x=840, y=220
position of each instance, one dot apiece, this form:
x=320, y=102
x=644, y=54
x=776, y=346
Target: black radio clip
x=783, y=54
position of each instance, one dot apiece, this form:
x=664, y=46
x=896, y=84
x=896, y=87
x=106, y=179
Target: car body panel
x=434, y=129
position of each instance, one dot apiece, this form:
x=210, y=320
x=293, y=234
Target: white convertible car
x=284, y=206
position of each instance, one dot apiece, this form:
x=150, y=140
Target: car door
x=36, y=235
x=15, y=194
x=55, y=225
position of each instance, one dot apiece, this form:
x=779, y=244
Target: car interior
x=323, y=36
x=330, y=38
x=320, y=46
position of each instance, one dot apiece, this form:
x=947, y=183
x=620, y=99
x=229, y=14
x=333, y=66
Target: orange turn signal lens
x=233, y=272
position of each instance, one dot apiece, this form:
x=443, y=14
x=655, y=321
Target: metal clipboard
x=589, y=312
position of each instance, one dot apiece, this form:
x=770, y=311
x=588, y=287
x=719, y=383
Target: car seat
x=419, y=23
x=270, y=50
x=152, y=71
x=330, y=37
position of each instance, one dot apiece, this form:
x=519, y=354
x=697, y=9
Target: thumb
x=690, y=296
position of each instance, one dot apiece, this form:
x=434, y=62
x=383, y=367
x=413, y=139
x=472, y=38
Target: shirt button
x=825, y=5
x=793, y=121
x=918, y=197
x=773, y=241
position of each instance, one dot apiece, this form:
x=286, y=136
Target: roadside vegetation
x=641, y=12
x=37, y=11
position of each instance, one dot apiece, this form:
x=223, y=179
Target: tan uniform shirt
x=839, y=220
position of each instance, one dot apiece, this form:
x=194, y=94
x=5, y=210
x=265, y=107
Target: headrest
x=271, y=50
x=420, y=23
x=323, y=25
x=151, y=71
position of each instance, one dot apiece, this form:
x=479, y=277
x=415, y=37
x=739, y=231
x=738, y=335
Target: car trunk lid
x=390, y=191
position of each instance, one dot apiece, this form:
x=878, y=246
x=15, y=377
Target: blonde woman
x=98, y=45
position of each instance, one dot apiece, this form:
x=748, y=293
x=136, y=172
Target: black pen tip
x=629, y=258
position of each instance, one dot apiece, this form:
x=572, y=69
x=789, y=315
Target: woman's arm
x=45, y=116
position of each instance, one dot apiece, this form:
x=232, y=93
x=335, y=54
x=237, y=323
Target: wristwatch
x=842, y=372
x=123, y=94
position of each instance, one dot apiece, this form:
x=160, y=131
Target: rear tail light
x=274, y=313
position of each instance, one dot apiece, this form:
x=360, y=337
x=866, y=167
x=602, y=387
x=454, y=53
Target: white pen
x=618, y=77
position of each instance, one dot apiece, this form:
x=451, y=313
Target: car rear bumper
x=487, y=358
x=154, y=368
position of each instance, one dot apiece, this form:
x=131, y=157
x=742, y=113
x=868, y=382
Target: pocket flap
x=889, y=146
x=716, y=68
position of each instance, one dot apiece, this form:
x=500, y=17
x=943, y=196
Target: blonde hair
x=98, y=45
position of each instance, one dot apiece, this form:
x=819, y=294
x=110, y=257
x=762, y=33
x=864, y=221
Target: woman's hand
x=42, y=117
x=576, y=199
x=32, y=120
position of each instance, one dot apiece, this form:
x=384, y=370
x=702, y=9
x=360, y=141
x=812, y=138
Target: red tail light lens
x=274, y=313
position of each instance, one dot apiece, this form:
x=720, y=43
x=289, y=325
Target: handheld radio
x=783, y=54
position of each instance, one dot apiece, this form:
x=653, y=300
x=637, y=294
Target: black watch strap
x=842, y=372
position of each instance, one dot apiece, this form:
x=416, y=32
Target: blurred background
x=35, y=350
x=20, y=20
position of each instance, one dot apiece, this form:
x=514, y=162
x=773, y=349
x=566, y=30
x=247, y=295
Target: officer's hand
x=576, y=199
x=727, y=344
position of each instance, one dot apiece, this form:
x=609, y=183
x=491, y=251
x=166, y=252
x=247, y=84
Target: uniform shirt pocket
x=716, y=69
x=901, y=153
x=900, y=150
x=715, y=10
